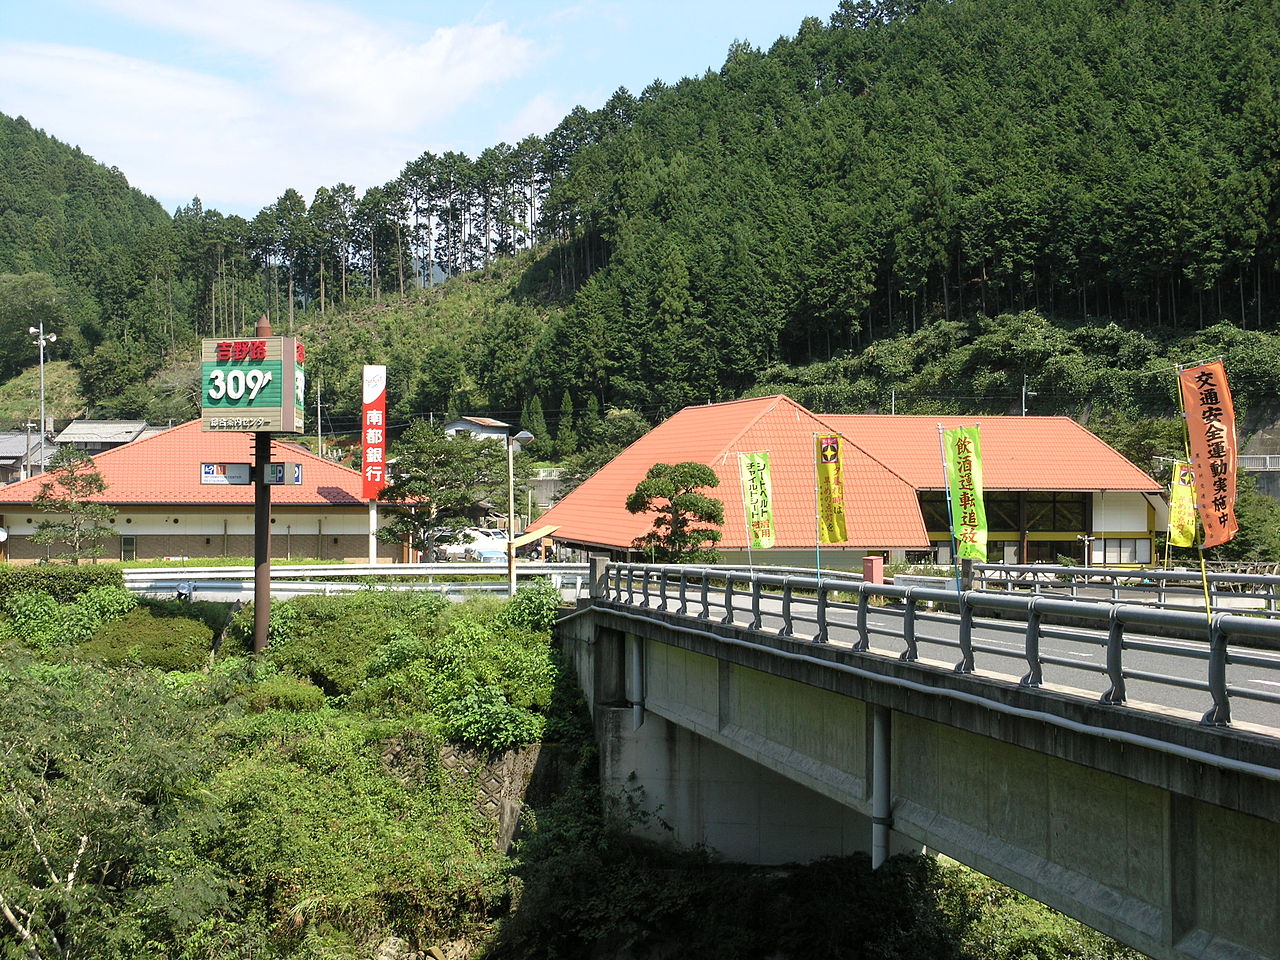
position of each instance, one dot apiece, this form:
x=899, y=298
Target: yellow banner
x=831, y=524
x=757, y=498
x=1182, y=507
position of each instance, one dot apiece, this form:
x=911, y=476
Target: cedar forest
x=938, y=206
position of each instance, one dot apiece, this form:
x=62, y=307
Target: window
x=1121, y=551
x=128, y=548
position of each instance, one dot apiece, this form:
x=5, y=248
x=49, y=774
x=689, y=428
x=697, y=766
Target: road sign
x=282, y=473
x=231, y=474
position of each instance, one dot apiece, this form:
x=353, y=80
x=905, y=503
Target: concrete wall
x=760, y=748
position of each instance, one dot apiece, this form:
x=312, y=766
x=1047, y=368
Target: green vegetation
x=68, y=492
x=927, y=200
x=159, y=800
x=684, y=518
x=297, y=806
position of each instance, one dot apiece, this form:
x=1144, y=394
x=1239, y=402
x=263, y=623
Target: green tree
x=566, y=435
x=71, y=493
x=684, y=514
x=100, y=829
x=440, y=483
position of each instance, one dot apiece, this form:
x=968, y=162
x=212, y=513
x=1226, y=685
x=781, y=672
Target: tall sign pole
x=255, y=385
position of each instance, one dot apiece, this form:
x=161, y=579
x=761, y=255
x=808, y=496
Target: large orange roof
x=880, y=506
x=165, y=469
x=1018, y=453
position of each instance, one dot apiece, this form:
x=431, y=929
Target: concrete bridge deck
x=1138, y=819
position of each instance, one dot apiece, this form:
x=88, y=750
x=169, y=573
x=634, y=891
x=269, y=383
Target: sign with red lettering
x=252, y=384
x=373, y=431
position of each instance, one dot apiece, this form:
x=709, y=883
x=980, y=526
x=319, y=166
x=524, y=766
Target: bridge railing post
x=1115, y=660
x=1220, y=713
x=788, y=627
x=617, y=583
x=599, y=577
x=966, y=635
x=909, y=627
x=864, y=639
x=684, y=591
x=1034, y=677
x=728, y=598
x=821, y=636
x=644, y=593
x=662, y=589
x=706, y=602
x=631, y=584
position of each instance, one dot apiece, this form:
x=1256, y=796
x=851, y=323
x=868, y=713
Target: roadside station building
x=164, y=510
x=1051, y=488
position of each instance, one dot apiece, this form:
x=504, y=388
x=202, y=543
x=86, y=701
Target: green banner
x=757, y=498
x=963, y=453
x=830, y=474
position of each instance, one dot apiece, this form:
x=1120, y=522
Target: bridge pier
x=1156, y=830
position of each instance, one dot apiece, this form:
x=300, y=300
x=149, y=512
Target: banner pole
x=951, y=520
x=746, y=518
x=817, y=509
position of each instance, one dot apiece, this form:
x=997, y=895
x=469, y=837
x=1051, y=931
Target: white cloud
x=343, y=68
x=539, y=116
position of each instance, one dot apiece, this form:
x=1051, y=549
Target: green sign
x=252, y=385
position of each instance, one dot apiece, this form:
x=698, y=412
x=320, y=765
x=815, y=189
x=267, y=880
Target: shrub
x=107, y=602
x=142, y=636
x=63, y=583
x=534, y=607
x=285, y=692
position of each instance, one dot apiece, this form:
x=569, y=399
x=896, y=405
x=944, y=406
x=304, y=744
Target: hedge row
x=62, y=582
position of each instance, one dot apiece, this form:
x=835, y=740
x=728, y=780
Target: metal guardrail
x=805, y=607
x=1258, y=594
x=331, y=579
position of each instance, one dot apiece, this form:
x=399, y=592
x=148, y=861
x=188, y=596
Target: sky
x=235, y=101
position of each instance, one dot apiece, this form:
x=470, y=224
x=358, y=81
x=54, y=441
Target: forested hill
x=929, y=201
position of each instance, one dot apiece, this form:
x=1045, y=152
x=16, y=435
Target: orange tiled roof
x=880, y=506
x=1018, y=453
x=165, y=469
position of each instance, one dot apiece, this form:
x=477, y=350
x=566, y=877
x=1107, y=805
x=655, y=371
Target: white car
x=471, y=541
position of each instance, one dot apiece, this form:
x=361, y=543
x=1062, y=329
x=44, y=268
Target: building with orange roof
x=1050, y=484
x=165, y=510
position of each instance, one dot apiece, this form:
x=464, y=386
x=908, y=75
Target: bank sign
x=252, y=385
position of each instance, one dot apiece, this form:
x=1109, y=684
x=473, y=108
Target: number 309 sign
x=252, y=385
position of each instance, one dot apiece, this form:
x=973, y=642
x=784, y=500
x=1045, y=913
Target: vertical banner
x=1182, y=506
x=1211, y=430
x=373, y=431
x=757, y=498
x=830, y=471
x=963, y=452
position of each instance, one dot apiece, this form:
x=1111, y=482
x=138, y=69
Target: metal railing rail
x=1167, y=589
x=804, y=606
x=331, y=579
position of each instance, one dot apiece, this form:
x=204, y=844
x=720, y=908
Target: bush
x=285, y=692
x=63, y=583
x=534, y=607
x=153, y=639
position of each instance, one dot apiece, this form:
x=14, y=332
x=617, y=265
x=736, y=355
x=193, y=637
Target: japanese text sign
x=830, y=477
x=373, y=431
x=1182, y=506
x=253, y=385
x=1211, y=430
x=962, y=452
x=757, y=498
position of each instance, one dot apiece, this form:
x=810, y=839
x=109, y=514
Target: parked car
x=470, y=542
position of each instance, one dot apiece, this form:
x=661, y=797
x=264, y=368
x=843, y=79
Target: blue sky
x=237, y=100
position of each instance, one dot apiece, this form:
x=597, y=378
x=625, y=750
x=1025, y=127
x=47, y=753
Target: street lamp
x=523, y=437
x=42, y=339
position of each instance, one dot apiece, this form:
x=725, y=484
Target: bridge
x=1118, y=762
